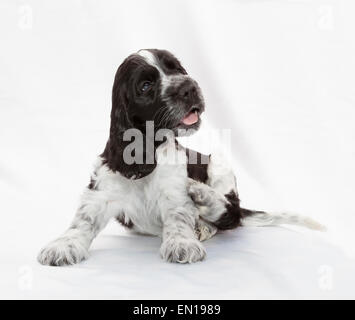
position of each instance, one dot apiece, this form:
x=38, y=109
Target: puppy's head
x=152, y=85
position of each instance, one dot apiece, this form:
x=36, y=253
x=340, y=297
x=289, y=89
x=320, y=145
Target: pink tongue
x=190, y=119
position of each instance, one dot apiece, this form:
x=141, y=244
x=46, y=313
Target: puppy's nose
x=187, y=91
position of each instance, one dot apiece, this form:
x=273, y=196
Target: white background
x=279, y=74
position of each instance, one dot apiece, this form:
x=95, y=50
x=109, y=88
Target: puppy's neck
x=131, y=163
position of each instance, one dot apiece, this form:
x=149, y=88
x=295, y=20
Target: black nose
x=187, y=91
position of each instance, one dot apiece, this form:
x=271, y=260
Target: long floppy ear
x=113, y=154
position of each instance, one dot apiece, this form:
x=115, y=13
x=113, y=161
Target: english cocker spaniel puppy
x=149, y=182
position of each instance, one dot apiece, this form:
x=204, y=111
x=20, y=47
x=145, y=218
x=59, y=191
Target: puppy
x=184, y=202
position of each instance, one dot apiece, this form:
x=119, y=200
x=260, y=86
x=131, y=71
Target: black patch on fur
x=231, y=218
x=92, y=185
x=130, y=110
x=121, y=220
x=197, y=165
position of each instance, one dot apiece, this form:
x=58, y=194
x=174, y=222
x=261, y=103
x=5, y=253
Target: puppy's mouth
x=192, y=117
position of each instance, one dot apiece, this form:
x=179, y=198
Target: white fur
x=276, y=219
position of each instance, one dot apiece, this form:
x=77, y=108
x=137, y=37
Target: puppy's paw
x=182, y=250
x=205, y=230
x=63, y=251
x=198, y=193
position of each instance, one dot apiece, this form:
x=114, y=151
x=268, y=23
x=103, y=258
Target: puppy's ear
x=120, y=122
x=119, y=112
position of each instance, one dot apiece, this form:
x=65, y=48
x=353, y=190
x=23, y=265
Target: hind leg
x=217, y=199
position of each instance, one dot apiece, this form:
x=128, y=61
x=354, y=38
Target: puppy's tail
x=253, y=218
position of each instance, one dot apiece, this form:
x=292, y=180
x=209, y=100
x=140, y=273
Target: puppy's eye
x=170, y=64
x=146, y=86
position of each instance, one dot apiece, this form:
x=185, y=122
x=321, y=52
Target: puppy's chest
x=147, y=199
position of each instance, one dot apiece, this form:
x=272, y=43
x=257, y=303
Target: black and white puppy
x=183, y=202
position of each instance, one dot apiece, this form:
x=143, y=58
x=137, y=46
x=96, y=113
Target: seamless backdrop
x=278, y=76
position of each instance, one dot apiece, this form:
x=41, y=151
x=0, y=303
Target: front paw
x=63, y=251
x=182, y=250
